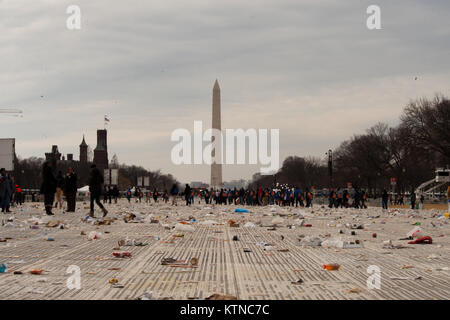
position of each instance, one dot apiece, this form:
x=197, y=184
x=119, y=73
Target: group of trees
x=409, y=152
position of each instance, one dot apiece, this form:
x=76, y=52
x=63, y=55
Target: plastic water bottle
x=3, y=268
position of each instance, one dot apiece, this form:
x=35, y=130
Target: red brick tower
x=101, y=151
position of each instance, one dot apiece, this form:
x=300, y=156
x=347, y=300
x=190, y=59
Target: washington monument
x=216, y=168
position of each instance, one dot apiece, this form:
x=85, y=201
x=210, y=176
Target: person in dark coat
x=413, y=200
x=187, y=194
x=6, y=190
x=95, y=188
x=48, y=187
x=384, y=199
x=357, y=198
x=115, y=193
x=70, y=189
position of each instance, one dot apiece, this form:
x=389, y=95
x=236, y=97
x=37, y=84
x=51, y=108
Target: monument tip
x=216, y=84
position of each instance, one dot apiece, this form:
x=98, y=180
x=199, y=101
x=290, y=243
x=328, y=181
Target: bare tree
x=429, y=124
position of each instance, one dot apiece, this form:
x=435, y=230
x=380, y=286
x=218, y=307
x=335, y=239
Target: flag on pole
x=106, y=120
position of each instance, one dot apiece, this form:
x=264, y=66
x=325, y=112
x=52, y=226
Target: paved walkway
x=223, y=265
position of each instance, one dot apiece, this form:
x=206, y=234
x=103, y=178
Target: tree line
x=409, y=152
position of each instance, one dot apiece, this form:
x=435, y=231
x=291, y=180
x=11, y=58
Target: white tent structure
x=84, y=189
x=83, y=193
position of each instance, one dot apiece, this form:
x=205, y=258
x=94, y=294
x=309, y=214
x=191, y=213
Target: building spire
x=83, y=143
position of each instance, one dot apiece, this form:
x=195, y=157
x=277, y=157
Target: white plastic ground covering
x=262, y=264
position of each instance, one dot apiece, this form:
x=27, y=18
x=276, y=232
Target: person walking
x=105, y=194
x=48, y=187
x=413, y=200
x=6, y=190
x=59, y=190
x=384, y=199
x=187, y=194
x=206, y=196
x=70, y=189
x=19, y=197
x=363, y=200
x=115, y=193
x=174, y=194
x=448, y=198
x=95, y=188
x=110, y=194
x=128, y=194
x=422, y=202
x=331, y=198
x=357, y=199
x=309, y=198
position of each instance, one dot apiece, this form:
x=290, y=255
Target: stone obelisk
x=216, y=168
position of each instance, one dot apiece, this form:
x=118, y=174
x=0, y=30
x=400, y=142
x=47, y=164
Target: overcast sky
x=309, y=68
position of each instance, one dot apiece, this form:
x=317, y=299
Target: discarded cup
x=331, y=266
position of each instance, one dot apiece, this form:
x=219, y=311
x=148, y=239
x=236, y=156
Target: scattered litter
x=332, y=266
x=277, y=220
x=249, y=225
x=36, y=271
x=355, y=290
x=184, y=227
x=310, y=241
x=422, y=240
x=399, y=278
x=217, y=296
x=407, y=267
x=146, y=296
x=124, y=254
x=94, y=235
x=208, y=223
x=415, y=233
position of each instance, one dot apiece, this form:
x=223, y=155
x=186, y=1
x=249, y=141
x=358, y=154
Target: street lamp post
x=330, y=166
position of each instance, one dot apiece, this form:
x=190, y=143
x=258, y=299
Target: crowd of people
x=56, y=189
x=284, y=196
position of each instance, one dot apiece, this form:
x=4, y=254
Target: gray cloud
x=310, y=68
